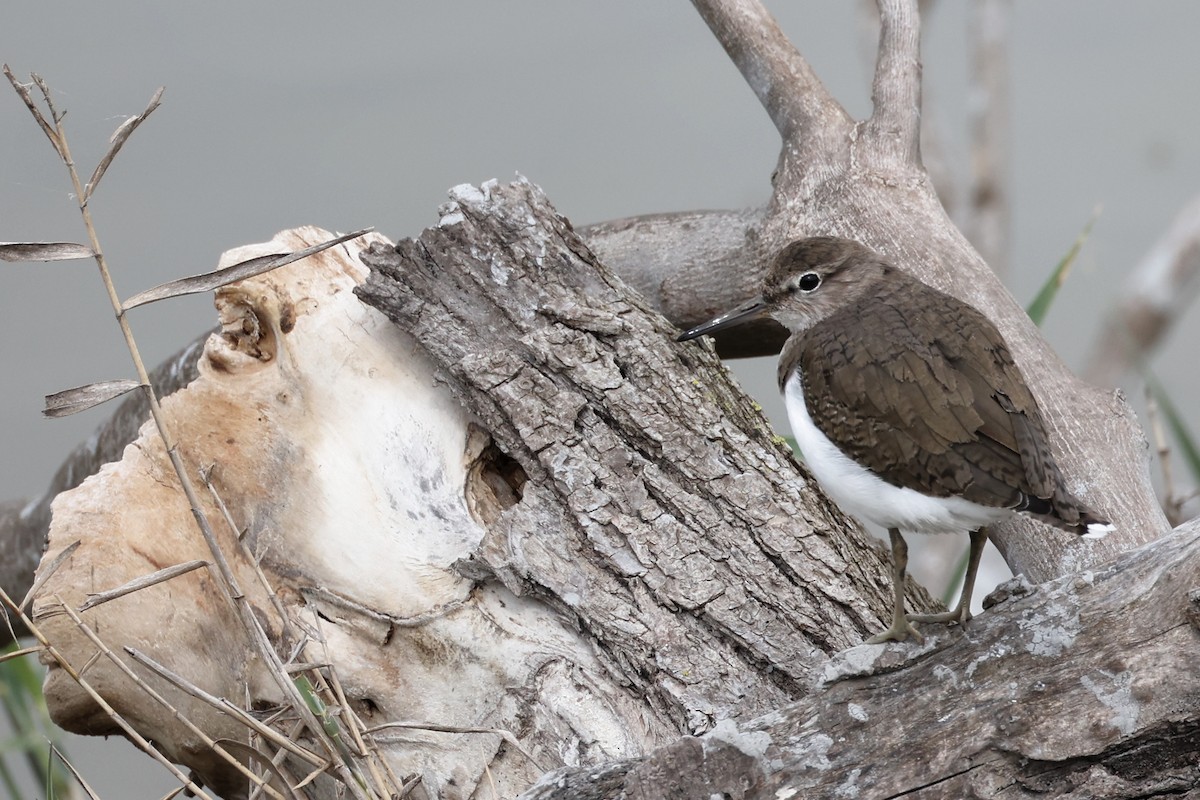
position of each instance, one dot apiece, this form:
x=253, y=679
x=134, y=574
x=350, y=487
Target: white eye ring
x=806, y=282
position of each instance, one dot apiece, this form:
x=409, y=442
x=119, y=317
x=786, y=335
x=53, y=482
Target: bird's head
x=809, y=280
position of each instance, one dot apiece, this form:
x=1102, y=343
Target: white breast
x=863, y=494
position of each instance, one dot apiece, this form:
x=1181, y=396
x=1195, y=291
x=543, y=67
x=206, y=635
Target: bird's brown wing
x=945, y=413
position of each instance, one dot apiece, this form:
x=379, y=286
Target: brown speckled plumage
x=921, y=389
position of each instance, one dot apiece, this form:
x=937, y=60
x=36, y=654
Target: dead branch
x=988, y=211
x=1159, y=289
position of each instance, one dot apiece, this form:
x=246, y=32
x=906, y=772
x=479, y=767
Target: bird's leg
x=901, y=628
x=962, y=612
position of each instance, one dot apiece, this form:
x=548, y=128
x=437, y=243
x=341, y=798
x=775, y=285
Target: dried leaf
x=137, y=584
x=227, y=275
x=118, y=138
x=81, y=398
x=46, y=570
x=23, y=90
x=43, y=251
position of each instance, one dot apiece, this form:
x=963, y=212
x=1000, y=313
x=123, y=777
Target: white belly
x=862, y=494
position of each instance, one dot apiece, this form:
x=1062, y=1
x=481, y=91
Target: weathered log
x=1085, y=688
x=524, y=507
x=521, y=507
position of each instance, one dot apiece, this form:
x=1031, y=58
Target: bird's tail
x=1065, y=512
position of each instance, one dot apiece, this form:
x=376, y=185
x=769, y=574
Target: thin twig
x=279, y=759
x=436, y=728
x=284, y=620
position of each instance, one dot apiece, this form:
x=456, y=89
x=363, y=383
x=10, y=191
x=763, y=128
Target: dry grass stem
x=491, y=782
x=74, y=772
x=277, y=761
x=23, y=91
x=258, y=638
x=24, y=651
x=223, y=705
x=284, y=620
x=158, y=698
x=66, y=666
x=253, y=756
x=344, y=717
x=352, y=723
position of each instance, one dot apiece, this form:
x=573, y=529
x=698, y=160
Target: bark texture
x=653, y=496
x=1082, y=688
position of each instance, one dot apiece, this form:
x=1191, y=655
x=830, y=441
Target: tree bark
x=1084, y=687
x=642, y=463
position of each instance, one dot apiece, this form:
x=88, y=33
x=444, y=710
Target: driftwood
x=539, y=445
x=612, y=551
x=857, y=178
x=522, y=507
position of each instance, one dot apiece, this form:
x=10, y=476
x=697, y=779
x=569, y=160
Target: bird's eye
x=808, y=282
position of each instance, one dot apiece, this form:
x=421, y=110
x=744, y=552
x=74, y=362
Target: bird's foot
x=901, y=629
x=961, y=615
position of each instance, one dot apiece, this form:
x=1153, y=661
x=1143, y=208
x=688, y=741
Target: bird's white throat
x=863, y=494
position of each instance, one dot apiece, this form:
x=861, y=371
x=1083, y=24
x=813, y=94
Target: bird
x=907, y=406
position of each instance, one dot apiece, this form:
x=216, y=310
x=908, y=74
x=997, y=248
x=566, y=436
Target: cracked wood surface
x=658, y=509
x=1083, y=688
